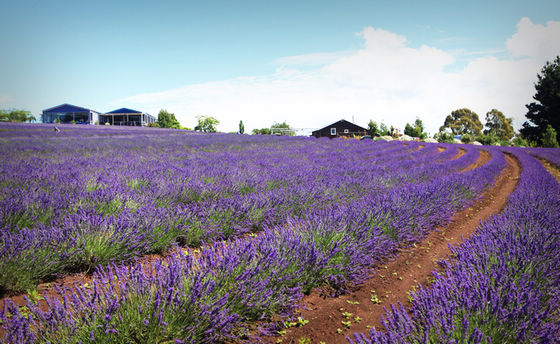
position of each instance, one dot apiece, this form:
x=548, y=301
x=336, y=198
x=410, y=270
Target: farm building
x=340, y=128
x=126, y=116
x=67, y=113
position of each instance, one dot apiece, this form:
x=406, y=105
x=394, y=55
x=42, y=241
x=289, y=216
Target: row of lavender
x=86, y=196
x=551, y=155
x=216, y=295
x=502, y=285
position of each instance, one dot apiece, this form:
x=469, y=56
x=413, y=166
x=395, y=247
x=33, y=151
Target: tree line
x=540, y=129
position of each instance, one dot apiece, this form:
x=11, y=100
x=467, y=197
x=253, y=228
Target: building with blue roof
x=67, y=113
x=125, y=116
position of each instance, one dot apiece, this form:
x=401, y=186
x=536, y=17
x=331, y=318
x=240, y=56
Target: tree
x=241, y=127
x=498, y=125
x=16, y=116
x=206, y=124
x=263, y=131
x=549, y=138
x=443, y=137
x=545, y=111
x=487, y=139
x=282, y=128
x=462, y=121
x=383, y=130
x=167, y=120
x=466, y=138
x=372, y=129
x=417, y=130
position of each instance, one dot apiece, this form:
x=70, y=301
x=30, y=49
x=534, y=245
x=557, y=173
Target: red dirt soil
x=393, y=280
x=483, y=158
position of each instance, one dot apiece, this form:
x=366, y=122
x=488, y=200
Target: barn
x=340, y=128
x=68, y=113
x=124, y=116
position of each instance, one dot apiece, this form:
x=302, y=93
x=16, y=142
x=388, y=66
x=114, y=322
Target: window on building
x=333, y=131
x=346, y=131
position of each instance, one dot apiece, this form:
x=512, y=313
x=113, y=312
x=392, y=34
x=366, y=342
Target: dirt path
x=483, y=158
x=363, y=308
x=459, y=154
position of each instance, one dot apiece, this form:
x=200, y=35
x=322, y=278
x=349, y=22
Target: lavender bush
x=500, y=286
x=326, y=211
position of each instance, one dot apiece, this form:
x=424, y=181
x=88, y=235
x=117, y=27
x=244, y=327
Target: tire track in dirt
x=393, y=280
x=483, y=158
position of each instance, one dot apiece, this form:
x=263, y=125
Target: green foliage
x=282, y=129
x=26, y=269
x=498, y=125
x=544, y=111
x=462, y=121
x=417, y=130
x=487, y=139
x=466, y=138
x=167, y=120
x=549, y=137
x=518, y=141
x=16, y=116
x=276, y=128
x=372, y=129
x=206, y=124
x=444, y=137
x=383, y=130
x=241, y=127
x=263, y=131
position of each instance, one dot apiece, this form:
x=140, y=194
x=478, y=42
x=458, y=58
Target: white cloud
x=536, y=41
x=386, y=80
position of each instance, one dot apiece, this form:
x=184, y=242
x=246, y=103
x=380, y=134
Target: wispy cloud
x=315, y=59
x=386, y=80
x=464, y=52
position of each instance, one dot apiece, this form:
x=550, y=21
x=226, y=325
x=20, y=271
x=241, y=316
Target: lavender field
x=246, y=225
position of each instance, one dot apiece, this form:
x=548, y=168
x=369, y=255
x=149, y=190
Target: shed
x=340, y=128
x=68, y=113
x=125, y=116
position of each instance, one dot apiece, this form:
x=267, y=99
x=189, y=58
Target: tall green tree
x=498, y=125
x=241, y=127
x=463, y=121
x=206, y=124
x=549, y=138
x=417, y=130
x=383, y=130
x=167, y=120
x=545, y=110
x=16, y=116
x=372, y=129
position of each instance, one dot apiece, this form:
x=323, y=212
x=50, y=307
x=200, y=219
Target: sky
x=309, y=63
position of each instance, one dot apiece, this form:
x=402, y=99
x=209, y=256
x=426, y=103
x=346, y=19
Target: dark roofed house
x=340, y=128
x=67, y=113
x=125, y=116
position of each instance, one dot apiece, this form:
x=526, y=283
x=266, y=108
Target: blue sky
x=147, y=55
